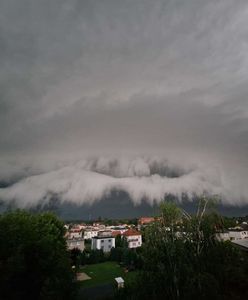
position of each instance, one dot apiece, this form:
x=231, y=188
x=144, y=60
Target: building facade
x=90, y=233
x=103, y=241
x=238, y=234
x=75, y=244
x=75, y=233
x=133, y=237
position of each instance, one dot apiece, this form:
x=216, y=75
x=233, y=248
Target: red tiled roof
x=116, y=232
x=146, y=220
x=131, y=232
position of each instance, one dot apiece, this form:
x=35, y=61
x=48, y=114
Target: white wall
x=103, y=243
x=72, y=244
x=236, y=235
x=134, y=241
x=76, y=234
x=90, y=234
x=222, y=236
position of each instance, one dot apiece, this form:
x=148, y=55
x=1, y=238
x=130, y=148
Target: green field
x=104, y=273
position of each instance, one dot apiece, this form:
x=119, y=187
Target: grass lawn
x=104, y=273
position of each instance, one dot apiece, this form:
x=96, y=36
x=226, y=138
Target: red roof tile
x=131, y=232
x=116, y=232
x=146, y=220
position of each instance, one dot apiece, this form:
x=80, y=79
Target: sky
x=143, y=97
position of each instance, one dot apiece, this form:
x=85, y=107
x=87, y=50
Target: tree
x=34, y=262
x=76, y=257
x=121, y=241
x=183, y=260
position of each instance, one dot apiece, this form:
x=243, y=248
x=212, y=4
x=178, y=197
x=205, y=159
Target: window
x=102, y=247
x=102, y=241
x=109, y=246
x=110, y=241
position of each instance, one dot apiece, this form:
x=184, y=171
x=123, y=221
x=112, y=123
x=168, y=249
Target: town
x=102, y=237
x=105, y=239
x=123, y=259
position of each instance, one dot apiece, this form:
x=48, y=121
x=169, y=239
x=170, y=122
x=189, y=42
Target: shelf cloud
x=145, y=97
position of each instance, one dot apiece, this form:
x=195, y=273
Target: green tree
x=34, y=262
x=76, y=257
x=183, y=260
x=121, y=241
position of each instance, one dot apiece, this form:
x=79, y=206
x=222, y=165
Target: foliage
x=75, y=256
x=122, y=254
x=228, y=222
x=88, y=257
x=34, y=263
x=121, y=241
x=183, y=260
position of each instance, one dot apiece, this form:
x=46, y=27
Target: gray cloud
x=125, y=82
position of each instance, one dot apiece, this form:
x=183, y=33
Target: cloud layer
x=146, y=97
x=148, y=179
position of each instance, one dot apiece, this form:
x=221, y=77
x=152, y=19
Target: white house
x=238, y=234
x=89, y=233
x=133, y=237
x=222, y=236
x=104, y=240
x=75, y=243
x=75, y=233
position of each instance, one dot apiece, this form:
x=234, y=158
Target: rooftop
x=146, y=220
x=131, y=232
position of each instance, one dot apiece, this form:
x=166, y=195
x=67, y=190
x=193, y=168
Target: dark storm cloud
x=123, y=84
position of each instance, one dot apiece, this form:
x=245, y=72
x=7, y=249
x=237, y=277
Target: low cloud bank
x=89, y=180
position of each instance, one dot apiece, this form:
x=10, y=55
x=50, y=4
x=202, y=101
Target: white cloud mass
x=146, y=97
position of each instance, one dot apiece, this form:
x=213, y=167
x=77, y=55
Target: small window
x=102, y=241
x=110, y=241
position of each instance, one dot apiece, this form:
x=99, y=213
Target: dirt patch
x=82, y=276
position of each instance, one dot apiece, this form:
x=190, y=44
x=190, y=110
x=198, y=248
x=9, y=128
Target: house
x=238, y=234
x=89, y=233
x=75, y=243
x=103, y=241
x=116, y=232
x=120, y=229
x=144, y=221
x=133, y=237
x=222, y=236
x=75, y=233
